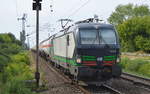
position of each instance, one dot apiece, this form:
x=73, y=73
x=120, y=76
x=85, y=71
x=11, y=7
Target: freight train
x=87, y=51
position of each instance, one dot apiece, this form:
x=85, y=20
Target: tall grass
x=138, y=66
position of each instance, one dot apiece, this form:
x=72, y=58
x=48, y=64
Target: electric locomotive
x=87, y=50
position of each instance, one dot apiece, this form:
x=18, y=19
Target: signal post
x=37, y=8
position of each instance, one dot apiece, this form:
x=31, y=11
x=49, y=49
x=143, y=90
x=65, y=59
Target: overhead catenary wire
x=78, y=9
x=72, y=8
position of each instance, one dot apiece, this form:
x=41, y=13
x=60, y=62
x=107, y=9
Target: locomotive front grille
x=109, y=60
x=98, y=61
x=89, y=60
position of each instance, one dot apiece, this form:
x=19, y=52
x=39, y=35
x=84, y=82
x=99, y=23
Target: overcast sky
x=10, y=10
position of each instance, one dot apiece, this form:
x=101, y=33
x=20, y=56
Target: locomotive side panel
x=46, y=47
x=71, y=46
x=63, y=53
x=60, y=46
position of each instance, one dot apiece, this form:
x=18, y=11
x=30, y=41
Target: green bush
x=14, y=66
x=9, y=38
x=21, y=71
x=10, y=48
x=21, y=58
x=3, y=62
x=14, y=75
x=135, y=34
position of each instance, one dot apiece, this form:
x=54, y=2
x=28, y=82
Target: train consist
x=87, y=50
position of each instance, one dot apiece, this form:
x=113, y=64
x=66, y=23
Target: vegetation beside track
x=14, y=66
x=138, y=66
x=132, y=24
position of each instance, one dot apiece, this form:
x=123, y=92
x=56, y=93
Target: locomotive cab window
x=89, y=36
x=107, y=36
x=98, y=36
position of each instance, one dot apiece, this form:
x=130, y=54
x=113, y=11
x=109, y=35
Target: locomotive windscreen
x=107, y=36
x=98, y=36
x=88, y=36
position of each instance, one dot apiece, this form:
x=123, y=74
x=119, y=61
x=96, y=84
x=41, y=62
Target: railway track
x=103, y=89
x=137, y=80
x=66, y=78
x=114, y=91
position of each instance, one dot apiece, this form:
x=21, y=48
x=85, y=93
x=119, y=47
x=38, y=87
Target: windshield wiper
x=95, y=38
x=104, y=41
x=93, y=42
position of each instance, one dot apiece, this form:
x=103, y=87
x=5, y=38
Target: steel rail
x=112, y=89
x=137, y=80
x=135, y=76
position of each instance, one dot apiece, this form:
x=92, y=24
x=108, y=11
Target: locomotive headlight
x=78, y=60
x=118, y=59
x=99, y=59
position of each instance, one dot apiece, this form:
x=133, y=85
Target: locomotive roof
x=81, y=26
x=94, y=25
x=85, y=26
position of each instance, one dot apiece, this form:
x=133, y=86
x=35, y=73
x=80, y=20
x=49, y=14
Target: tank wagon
x=86, y=50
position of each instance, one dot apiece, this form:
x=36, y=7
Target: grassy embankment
x=136, y=65
x=14, y=67
x=14, y=75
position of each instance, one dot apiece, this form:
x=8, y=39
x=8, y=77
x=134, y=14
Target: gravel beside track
x=55, y=82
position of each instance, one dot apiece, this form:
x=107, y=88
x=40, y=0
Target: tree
x=125, y=12
x=5, y=38
x=13, y=38
x=135, y=34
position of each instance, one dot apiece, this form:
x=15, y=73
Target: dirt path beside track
x=55, y=83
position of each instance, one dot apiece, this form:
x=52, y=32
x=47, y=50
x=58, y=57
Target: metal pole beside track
x=37, y=7
x=37, y=47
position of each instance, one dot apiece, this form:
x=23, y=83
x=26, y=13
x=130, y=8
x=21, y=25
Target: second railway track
x=137, y=80
x=103, y=89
